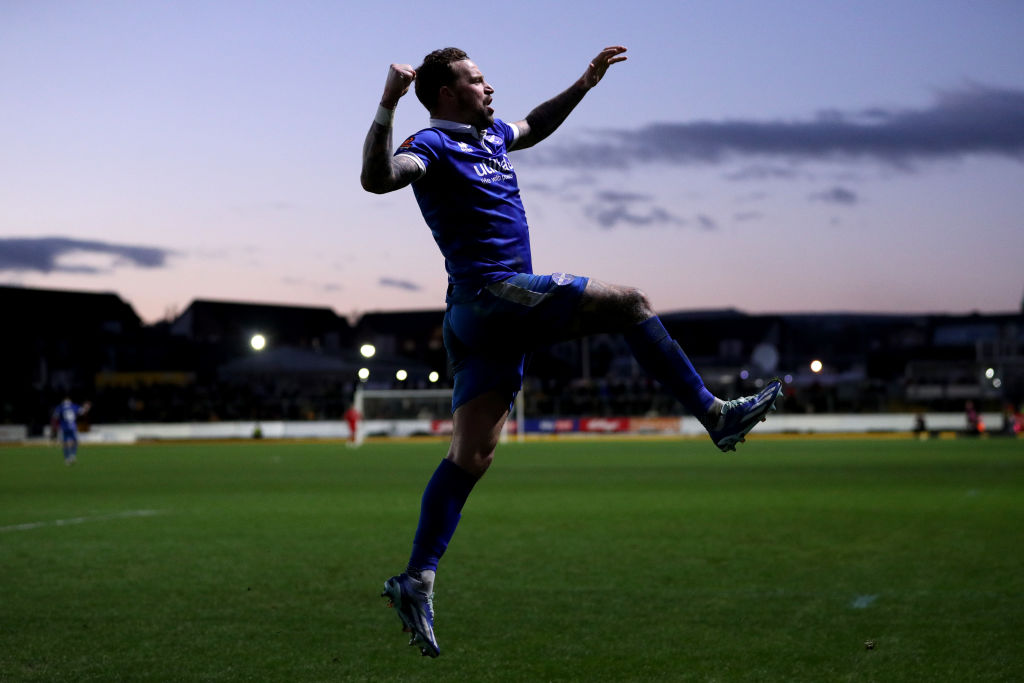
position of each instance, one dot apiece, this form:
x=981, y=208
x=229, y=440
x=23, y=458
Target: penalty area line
x=81, y=520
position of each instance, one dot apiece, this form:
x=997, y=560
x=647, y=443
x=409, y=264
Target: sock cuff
x=456, y=473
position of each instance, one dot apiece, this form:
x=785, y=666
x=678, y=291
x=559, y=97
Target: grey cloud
x=764, y=172
x=616, y=196
x=612, y=208
x=542, y=188
x=975, y=119
x=40, y=254
x=609, y=216
x=706, y=222
x=399, y=284
x=565, y=189
x=837, y=195
x=747, y=216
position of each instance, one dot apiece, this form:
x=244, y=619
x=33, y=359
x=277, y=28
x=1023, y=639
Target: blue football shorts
x=488, y=332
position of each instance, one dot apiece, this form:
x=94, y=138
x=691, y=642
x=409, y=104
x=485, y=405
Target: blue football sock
x=440, y=512
x=663, y=359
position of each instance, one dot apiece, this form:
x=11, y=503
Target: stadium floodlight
x=367, y=350
x=997, y=383
x=258, y=342
x=990, y=373
x=816, y=366
x=433, y=376
x=364, y=374
x=401, y=375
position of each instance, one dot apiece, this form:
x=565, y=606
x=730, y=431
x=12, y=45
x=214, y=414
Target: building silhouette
x=201, y=366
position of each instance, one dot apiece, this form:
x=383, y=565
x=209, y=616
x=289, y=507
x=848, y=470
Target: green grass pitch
x=587, y=560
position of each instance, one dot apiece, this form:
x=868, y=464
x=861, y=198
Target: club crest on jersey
x=464, y=147
x=562, y=278
x=493, y=139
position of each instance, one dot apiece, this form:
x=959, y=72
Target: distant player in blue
x=65, y=417
x=498, y=309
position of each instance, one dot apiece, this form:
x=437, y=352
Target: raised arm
x=383, y=172
x=545, y=118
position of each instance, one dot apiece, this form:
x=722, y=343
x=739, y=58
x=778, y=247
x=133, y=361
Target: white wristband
x=385, y=116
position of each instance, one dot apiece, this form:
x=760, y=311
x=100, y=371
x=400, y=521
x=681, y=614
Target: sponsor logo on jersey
x=408, y=142
x=489, y=166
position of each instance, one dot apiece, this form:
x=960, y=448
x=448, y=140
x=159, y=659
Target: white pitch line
x=863, y=601
x=80, y=520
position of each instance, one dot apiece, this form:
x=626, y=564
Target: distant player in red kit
x=352, y=416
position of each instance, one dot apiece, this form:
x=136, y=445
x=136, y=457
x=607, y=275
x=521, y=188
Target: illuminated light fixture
x=367, y=350
x=258, y=342
x=990, y=373
x=433, y=377
x=816, y=366
x=364, y=374
x=401, y=375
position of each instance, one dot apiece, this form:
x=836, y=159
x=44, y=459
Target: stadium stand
x=199, y=366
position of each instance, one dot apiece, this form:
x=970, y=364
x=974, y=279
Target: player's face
x=472, y=95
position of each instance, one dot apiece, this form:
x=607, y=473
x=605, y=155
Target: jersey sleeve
x=424, y=148
x=508, y=131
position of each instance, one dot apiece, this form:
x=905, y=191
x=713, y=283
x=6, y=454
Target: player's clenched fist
x=400, y=77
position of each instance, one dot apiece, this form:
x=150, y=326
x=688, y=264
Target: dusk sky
x=770, y=156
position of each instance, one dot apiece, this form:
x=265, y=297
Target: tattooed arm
x=543, y=120
x=382, y=172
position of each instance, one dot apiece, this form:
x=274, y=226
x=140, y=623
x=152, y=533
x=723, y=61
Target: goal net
x=405, y=412
x=404, y=404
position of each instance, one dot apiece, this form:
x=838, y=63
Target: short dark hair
x=435, y=72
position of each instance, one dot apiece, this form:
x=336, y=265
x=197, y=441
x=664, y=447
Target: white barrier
x=781, y=423
x=13, y=432
x=776, y=424
x=130, y=433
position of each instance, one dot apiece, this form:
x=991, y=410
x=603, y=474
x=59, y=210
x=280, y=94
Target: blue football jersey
x=469, y=197
x=67, y=414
